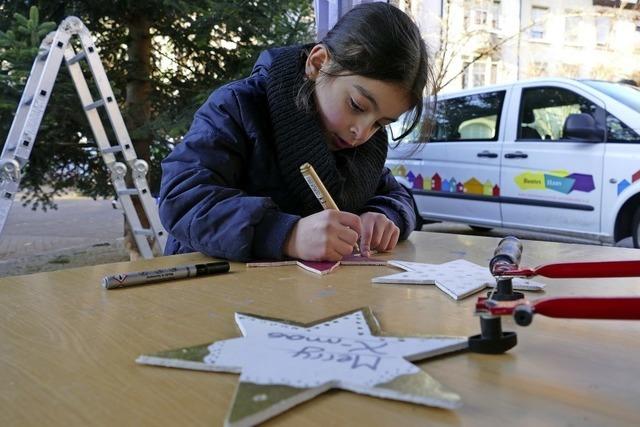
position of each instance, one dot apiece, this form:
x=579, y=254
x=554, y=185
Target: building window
x=572, y=22
x=480, y=17
x=495, y=15
x=571, y=71
x=466, y=66
x=538, y=18
x=603, y=28
x=538, y=69
x=636, y=37
x=483, y=14
x=479, y=73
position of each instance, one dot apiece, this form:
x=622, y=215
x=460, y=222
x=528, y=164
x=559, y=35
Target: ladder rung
x=128, y=192
x=143, y=231
x=98, y=103
x=78, y=57
x=28, y=101
x=112, y=149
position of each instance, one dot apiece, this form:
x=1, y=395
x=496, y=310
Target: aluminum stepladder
x=21, y=138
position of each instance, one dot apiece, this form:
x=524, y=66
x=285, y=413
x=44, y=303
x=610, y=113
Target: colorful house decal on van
x=472, y=186
x=487, y=188
x=436, y=182
x=453, y=184
x=418, y=182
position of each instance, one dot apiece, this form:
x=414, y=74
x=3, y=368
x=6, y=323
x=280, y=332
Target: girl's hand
x=378, y=232
x=328, y=235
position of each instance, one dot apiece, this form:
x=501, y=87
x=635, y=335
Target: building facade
x=481, y=42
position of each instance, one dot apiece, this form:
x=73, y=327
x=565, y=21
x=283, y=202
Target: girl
x=233, y=189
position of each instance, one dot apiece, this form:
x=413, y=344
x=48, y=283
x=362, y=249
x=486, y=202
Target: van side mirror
x=582, y=127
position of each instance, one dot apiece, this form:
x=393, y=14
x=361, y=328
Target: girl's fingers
x=365, y=237
x=350, y=220
x=393, y=241
x=376, y=235
x=347, y=235
x=378, y=232
x=334, y=255
x=385, y=240
x=344, y=248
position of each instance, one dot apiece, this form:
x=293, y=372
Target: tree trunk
x=138, y=107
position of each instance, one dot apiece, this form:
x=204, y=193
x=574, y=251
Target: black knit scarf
x=351, y=176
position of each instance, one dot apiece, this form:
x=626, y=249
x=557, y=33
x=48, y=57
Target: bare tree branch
x=448, y=54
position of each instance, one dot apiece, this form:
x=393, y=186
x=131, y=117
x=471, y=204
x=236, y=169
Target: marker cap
x=212, y=268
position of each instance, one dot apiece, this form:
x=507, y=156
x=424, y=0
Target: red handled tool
x=504, y=266
x=573, y=270
x=614, y=308
x=506, y=260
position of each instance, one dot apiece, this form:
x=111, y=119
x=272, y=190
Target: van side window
x=468, y=118
x=619, y=132
x=544, y=110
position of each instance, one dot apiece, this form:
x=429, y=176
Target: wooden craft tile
x=321, y=267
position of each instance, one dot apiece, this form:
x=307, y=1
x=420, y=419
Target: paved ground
x=83, y=231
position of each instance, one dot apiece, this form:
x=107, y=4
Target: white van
x=559, y=156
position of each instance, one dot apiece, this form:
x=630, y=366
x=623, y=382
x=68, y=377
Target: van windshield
x=626, y=94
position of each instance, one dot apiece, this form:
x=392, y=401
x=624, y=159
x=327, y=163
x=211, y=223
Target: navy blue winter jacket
x=223, y=191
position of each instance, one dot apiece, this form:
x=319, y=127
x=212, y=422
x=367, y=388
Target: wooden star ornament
x=283, y=363
x=458, y=279
x=320, y=267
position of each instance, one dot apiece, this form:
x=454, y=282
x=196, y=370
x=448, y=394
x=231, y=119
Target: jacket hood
x=267, y=57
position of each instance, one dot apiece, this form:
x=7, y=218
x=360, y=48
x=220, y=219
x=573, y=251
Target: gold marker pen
x=153, y=276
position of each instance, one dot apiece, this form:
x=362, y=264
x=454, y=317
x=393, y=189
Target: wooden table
x=68, y=346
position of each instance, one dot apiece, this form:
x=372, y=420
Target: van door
x=551, y=182
x=456, y=178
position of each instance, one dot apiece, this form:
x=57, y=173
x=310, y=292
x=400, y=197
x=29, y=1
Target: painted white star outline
x=341, y=351
x=283, y=363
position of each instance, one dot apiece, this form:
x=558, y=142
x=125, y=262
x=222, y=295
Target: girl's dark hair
x=379, y=41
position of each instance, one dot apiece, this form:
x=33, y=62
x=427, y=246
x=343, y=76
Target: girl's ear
x=318, y=56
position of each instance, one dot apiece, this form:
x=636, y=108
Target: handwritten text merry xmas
x=356, y=353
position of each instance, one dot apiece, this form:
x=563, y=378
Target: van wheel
x=480, y=229
x=635, y=229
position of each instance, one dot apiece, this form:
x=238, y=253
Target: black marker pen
x=143, y=277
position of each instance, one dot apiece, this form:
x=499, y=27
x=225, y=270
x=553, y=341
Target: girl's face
x=352, y=108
